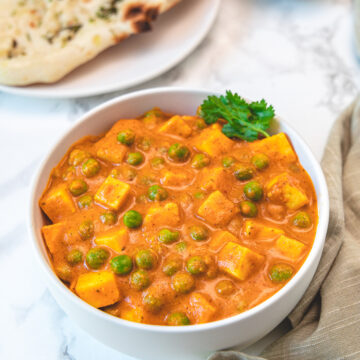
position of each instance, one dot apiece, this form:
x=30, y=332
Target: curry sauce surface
x=189, y=187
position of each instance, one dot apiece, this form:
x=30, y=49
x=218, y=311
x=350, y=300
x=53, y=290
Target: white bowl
x=162, y=342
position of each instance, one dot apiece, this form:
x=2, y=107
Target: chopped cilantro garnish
x=245, y=120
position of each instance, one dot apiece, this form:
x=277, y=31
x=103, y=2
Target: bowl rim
x=67, y=293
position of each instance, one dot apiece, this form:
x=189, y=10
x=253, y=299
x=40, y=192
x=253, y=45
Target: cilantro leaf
x=244, y=120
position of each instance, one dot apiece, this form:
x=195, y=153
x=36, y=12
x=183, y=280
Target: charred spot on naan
x=136, y=10
x=141, y=16
x=133, y=10
x=141, y=26
x=152, y=13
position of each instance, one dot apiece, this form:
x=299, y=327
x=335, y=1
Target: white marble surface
x=297, y=54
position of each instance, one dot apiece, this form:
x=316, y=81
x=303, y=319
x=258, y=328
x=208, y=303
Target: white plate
x=137, y=59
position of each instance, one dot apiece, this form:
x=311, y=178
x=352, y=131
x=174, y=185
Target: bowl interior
x=173, y=100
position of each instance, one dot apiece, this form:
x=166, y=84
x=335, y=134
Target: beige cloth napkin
x=326, y=322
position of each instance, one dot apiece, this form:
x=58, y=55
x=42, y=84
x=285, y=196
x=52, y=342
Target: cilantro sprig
x=245, y=120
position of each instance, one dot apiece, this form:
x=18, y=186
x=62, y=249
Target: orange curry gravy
x=256, y=253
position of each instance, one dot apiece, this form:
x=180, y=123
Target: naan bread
x=43, y=40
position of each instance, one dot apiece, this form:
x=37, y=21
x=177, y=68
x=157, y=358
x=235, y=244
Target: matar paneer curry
x=165, y=220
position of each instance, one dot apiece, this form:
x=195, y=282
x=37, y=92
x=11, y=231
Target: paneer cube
x=256, y=230
x=239, y=261
x=178, y=178
x=58, y=203
x=289, y=247
x=114, y=239
x=294, y=197
x=221, y=238
x=167, y=214
x=282, y=190
x=277, y=147
x=135, y=314
x=176, y=126
x=98, y=288
x=112, y=193
x=214, y=179
x=109, y=149
x=54, y=236
x=217, y=209
x=201, y=309
x=212, y=141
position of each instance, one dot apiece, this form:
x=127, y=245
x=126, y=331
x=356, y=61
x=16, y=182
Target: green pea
x=85, y=201
x=144, y=144
x=162, y=150
x=177, y=319
x=148, y=179
x=121, y=265
x=69, y=173
x=126, y=137
x=228, y=161
x=157, y=162
x=145, y=259
x=125, y=173
x=281, y=273
x=260, y=161
x=301, y=220
x=171, y=266
x=153, y=303
x=167, y=236
x=199, y=195
x=181, y=246
x=253, y=191
x=74, y=257
x=108, y=218
x=152, y=118
x=128, y=173
x=199, y=161
x=248, y=209
x=157, y=193
x=212, y=267
x=77, y=156
x=294, y=167
x=96, y=257
x=200, y=124
x=178, y=152
x=242, y=172
x=196, y=265
x=142, y=199
x=132, y=219
x=86, y=229
x=225, y=287
x=182, y=282
x=90, y=167
x=139, y=280
x=77, y=187
x=64, y=272
x=155, y=112
x=135, y=158
x=198, y=232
